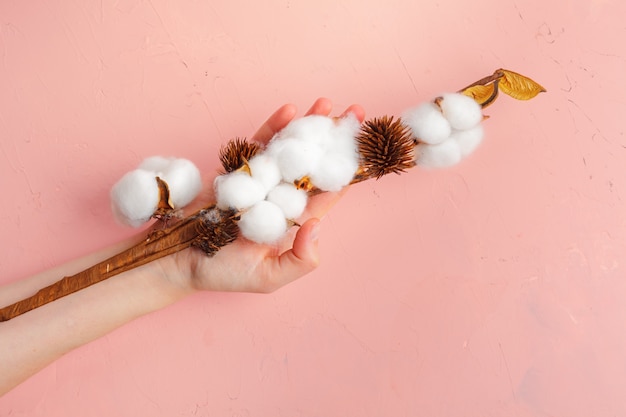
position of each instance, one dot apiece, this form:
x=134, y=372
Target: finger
x=322, y=106
x=279, y=119
x=301, y=259
x=357, y=110
x=305, y=244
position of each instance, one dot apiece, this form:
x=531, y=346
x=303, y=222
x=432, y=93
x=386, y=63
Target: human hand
x=251, y=267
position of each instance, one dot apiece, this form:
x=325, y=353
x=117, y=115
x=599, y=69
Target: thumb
x=305, y=244
x=301, y=259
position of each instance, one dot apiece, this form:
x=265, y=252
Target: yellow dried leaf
x=518, y=86
x=482, y=94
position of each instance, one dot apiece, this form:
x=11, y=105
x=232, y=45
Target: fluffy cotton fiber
x=314, y=128
x=265, y=169
x=446, y=130
x=156, y=164
x=334, y=172
x=296, y=158
x=469, y=139
x=238, y=190
x=344, y=132
x=440, y=155
x=184, y=181
x=318, y=147
x=263, y=223
x=427, y=123
x=290, y=199
x=135, y=197
x=305, y=147
x=461, y=111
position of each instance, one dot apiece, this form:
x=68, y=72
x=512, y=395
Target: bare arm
x=33, y=340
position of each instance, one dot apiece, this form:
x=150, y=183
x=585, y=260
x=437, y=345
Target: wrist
x=165, y=281
x=170, y=276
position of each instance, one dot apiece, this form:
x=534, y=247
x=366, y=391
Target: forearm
x=33, y=340
x=23, y=288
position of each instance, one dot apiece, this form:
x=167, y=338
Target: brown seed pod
x=385, y=146
x=217, y=228
x=165, y=209
x=237, y=152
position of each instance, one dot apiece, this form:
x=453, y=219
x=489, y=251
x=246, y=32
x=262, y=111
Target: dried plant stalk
x=208, y=229
x=483, y=94
x=385, y=146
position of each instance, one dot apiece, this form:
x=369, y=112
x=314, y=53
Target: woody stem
x=158, y=244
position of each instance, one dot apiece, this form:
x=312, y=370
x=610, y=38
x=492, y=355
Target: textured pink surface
x=495, y=288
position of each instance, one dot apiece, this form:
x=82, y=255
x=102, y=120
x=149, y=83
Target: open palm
x=252, y=267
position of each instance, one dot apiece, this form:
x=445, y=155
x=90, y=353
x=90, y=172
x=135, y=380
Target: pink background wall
x=496, y=288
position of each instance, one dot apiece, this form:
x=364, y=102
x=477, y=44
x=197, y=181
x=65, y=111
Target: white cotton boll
x=297, y=158
x=238, y=190
x=304, y=143
x=276, y=145
x=314, y=127
x=340, y=161
x=265, y=169
x=291, y=200
x=344, y=135
x=334, y=171
x=440, y=155
x=156, y=164
x=264, y=222
x=184, y=181
x=135, y=197
x=469, y=139
x=347, y=126
x=427, y=123
x=462, y=112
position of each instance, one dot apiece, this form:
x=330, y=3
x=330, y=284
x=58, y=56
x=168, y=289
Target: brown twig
x=485, y=80
x=385, y=146
x=212, y=224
